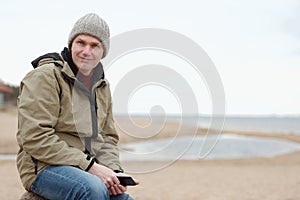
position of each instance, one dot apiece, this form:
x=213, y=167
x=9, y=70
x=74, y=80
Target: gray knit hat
x=93, y=25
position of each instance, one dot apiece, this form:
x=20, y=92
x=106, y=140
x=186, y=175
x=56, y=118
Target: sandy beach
x=276, y=178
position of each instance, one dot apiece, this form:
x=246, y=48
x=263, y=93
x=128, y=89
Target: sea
x=274, y=124
x=266, y=123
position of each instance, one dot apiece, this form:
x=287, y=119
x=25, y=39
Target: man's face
x=87, y=52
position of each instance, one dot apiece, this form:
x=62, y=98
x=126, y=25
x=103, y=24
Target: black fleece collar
x=67, y=57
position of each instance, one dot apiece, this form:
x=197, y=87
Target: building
x=6, y=93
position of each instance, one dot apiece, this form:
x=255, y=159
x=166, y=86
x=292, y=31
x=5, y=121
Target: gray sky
x=255, y=45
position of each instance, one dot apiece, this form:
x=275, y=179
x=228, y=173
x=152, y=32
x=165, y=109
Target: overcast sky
x=255, y=45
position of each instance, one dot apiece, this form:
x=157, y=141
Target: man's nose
x=87, y=50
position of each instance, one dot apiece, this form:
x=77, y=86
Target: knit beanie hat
x=93, y=25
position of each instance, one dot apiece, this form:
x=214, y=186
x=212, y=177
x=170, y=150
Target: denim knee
x=94, y=189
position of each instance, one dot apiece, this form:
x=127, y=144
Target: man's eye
x=94, y=45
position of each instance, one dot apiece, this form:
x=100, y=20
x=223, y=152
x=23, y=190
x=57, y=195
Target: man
x=66, y=133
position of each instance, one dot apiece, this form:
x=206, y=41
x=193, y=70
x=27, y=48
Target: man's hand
x=109, y=178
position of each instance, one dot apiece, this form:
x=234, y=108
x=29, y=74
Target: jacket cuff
x=84, y=163
x=119, y=170
x=90, y=165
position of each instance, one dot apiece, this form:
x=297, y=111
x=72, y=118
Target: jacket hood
x=46, y=59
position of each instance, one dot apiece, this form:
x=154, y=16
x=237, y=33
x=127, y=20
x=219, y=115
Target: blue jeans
x=67, y=182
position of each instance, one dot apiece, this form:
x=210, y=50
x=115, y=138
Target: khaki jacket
x=58, y=119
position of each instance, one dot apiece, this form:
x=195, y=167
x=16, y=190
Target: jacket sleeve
x=38, y=111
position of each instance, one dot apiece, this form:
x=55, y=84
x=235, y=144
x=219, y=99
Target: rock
x=31, y=196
